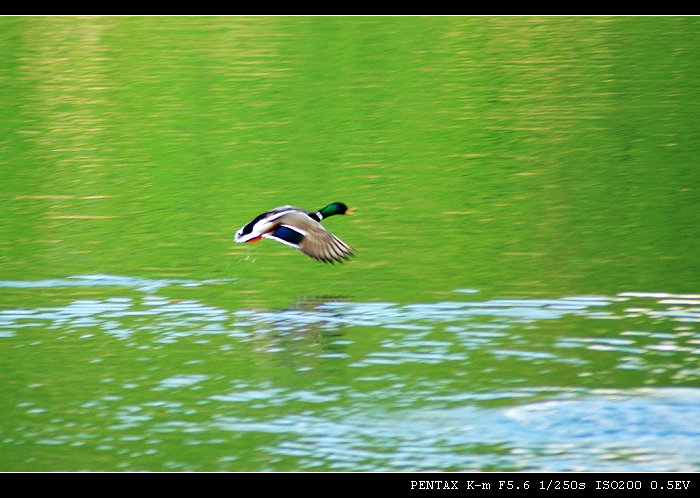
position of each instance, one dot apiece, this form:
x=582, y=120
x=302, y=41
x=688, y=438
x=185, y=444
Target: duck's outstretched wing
x=301, y=232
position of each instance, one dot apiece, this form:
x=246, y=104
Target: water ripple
x=650, y=429
x=498, y=325
x=141, y=284
x=448, y=385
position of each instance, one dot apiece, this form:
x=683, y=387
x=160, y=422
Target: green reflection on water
x=521, y=157
x=510, y=154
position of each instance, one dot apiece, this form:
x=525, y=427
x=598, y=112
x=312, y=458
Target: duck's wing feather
x=301, y=232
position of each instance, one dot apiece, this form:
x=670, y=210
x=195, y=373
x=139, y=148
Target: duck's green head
x=333, y=209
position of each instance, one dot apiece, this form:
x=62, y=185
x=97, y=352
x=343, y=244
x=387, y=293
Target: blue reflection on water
x=642, y=430
x=384, y=417
x=148, y=285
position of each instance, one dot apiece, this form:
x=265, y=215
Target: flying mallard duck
x=301, y=230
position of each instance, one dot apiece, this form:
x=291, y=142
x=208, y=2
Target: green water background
x=522, y=157
x=513, y=154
